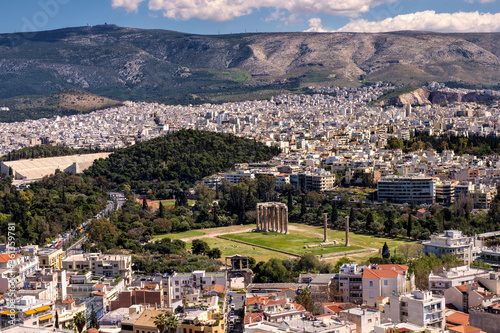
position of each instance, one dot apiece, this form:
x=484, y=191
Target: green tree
x=199, y=246
x=385, y=251
x=214, y=253
x=172, y=323
x=93, y=322
x=369, y=221
x=307, y=263
x=409, y=225
x=352, y=215
x=305, y=299
x=161, y=211
x=144, y=203
x=160, y=322
x=80, y=321
x=56, y=324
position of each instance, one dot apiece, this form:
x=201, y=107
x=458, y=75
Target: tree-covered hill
x=184, y=156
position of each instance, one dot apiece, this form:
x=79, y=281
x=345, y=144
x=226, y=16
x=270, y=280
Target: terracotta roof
x=8, y=257
x=334, y=308
x=464, y=329
x=215, y=287
x=462, y=288
x=380, y=273
x=99, y=285
x=298, y=306
x=68, y=301
x=252, y=318
x=395, y=266
x=256, y=300
x=458, y=318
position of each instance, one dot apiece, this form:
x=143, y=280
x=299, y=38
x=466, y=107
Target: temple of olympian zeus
x=272, y=216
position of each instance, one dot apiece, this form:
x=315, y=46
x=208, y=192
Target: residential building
x=180, y=282
x=107, y=265
x=29, y=311
x=50, y=258
x=465, y=296
x=385, y=280
x=439, y=282
x=419, y=308
x=415, y=189
x=450, y=242
x=350, y=283
x=365, y=319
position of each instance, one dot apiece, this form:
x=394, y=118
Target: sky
x=238, y=16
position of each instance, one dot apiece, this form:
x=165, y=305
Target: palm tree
x=161, y=322
x=80, y=320
x=172, y=323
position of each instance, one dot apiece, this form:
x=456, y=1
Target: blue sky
x=235, y=16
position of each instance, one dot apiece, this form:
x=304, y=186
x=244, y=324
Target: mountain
x=174, y=67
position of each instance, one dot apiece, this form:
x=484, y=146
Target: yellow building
x=50, y=258
x=203, y=321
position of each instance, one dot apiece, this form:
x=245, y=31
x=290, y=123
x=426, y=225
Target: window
x=371, y=283
x=369, y=320
x=385, y=282
x=371, y=294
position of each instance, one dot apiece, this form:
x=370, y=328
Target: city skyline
x=226, y=17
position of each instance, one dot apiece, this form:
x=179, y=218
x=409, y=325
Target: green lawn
x=168, y=203
x=293, y=242
x=229, y=248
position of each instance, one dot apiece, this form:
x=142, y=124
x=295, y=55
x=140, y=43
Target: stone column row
x=272, y=217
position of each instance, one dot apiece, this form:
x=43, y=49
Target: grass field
x=300, y=235
x=166, y=203
x=293, y=242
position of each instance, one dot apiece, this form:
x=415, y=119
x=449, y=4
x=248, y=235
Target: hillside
x=173, y=67
x=63, y=103
x=185, y=156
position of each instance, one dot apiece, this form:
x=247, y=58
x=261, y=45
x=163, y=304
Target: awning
x=7, y=312
x=45, y=317
x=29, y=312
x=42, y=308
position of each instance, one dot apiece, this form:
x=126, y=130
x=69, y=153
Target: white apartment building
x=451, y=242
x=417, y=189
x=181, y=282
x=418, y=308
x=107, y=265
x=456, y=276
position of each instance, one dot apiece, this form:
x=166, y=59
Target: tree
x=305, y=299
x=172, y=323
x=56, y=324
x=214, y=253
x=369, y=221
x=303, y=206
x=93, y=322
x=352, y=216
x=144, y=203
x=161, y=211
x=80, y=321
x=308, y=262
x=385, y=251
x=199, y=247
x=409, y=225
x=335, y=214
x=160, y=322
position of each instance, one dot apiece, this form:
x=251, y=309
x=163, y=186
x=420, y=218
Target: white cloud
x=424, y=21
x=224, y=10
x=128, y=5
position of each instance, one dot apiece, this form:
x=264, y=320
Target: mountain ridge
x=174, y=67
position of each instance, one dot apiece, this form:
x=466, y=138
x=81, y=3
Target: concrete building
x=416, y=189
x=385, y=280
x=419, y=308
x=468, y=295
x=350, y=283
x=365, y=319
x=50, y=258
x=450, y=242
x=107, y=265
x=180, y=282
x=439, y=282
x=36, y=169
x=29, y=311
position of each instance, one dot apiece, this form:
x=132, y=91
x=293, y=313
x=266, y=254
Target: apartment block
x=450, y=242
x=416, y=189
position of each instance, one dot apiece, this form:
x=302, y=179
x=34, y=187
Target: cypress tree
x=161, y=211
x=303, y=205
x=144, y=203
x=56, y=324
x=369, y=221
x=410, y=225
x=93, y=322
x=335, y=215
x=385, y=251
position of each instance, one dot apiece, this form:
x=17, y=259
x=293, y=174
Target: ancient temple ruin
x=272, y=216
